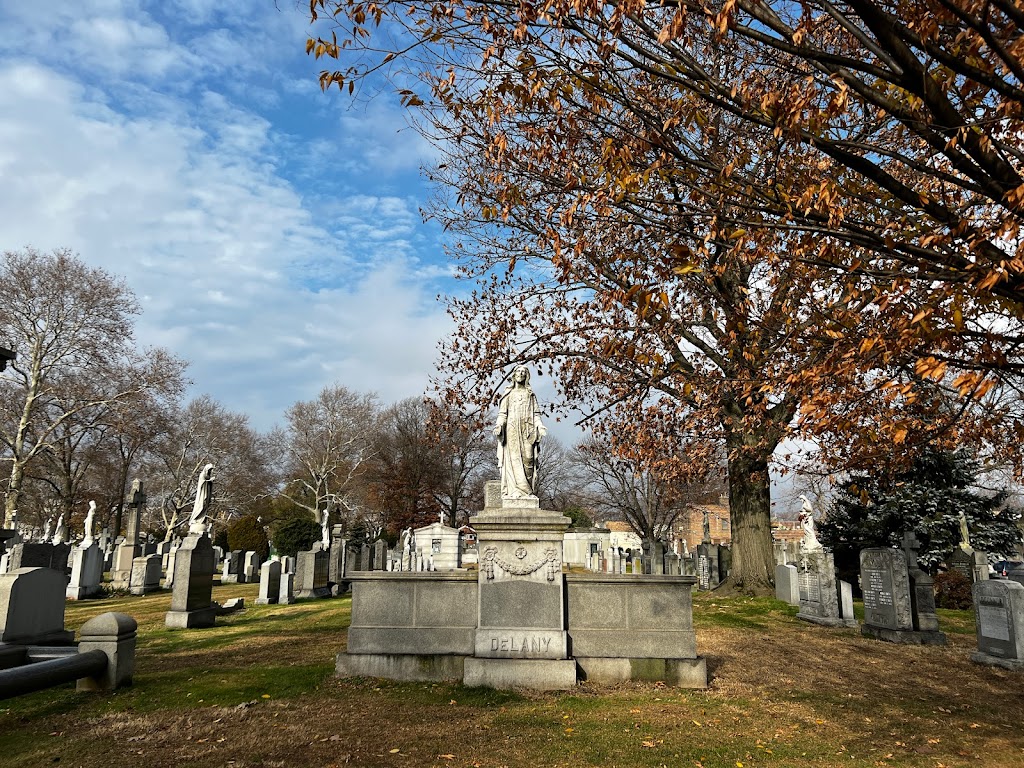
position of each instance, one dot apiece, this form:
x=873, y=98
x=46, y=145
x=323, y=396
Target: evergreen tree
x=876, y=510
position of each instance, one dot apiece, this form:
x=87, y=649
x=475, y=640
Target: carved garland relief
x=550, y=559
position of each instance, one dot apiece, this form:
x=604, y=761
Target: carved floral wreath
x=521, y=569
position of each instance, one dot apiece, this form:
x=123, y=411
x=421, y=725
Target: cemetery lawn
x=259, y=690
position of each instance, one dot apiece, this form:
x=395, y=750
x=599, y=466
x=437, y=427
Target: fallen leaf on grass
x=446, y=757
x=395, y=751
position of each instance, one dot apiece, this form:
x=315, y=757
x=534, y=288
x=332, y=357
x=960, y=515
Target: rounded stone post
x=114, y=634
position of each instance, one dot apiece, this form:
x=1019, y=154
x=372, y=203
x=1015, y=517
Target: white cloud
x=270, y=298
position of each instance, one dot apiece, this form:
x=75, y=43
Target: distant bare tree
x=329, y=443
x=71, y=327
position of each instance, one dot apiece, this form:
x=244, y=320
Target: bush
x=295, y=534
x=247, y=534
x=953, y=590
x=220, y=538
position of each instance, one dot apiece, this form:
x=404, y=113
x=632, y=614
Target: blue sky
x=270, y=231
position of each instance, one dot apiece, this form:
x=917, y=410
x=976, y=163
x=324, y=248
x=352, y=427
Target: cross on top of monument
x=138, y=495
x=911, y=545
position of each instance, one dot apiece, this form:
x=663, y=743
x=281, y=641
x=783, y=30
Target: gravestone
x=787, y=586
x=146, y=572
x=707, y=566
x=234, y=563
x=270, y=583
x=380, y=551
x=286, y=591
x=819, y=591
x=336, y=556
x=888, y=604
x=32, y=607
x=999, y=619
x=32, y=555
x=86, y=572
x=251, y=568
x=311, y=571
x=192, y=594
x=972, y=565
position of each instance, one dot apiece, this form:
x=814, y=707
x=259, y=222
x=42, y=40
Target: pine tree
x=876, y=510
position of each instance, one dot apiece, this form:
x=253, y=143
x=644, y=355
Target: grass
x=259, y=690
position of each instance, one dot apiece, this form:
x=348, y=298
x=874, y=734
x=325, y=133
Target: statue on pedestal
x=810, y=541
x=89, y=518
x=519, y=431
x=204, y=494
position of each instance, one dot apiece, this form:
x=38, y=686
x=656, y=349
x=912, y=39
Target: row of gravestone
x=899, y=601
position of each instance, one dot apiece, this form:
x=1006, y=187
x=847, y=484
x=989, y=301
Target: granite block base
x=410, y=667
x=906, y=636
x=681, y=673
x=828, y=621
x=536, y=674
x=203, y=617
x=1017, y=665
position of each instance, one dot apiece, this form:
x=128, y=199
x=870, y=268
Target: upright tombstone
x=146, y=572
x=87, y=564
x=286, y=590
x=234, y=568
x=787, y=585
x=816, y=579
x=311, y=571
x=999, y=619
x=819, y=591
x=44, y=555
x=126, y=552
x=706, y=562
x=972, y=565
x=32, y=607
x=336, y=558
x=888, y=605
x=270, y=583
x=251, y=568
x=380, y=555
x=194, y=566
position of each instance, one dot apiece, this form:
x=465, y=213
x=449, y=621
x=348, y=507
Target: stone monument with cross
x=899, y=598
x=129, y=549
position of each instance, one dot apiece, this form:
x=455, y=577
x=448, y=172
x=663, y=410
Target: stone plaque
x=703, y=572
x=810, y=587
x=521, y=644
x=994, y=620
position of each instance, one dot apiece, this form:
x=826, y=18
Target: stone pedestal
x=521, y=613
x=192, y=596
x=973, y=565
x=114, y=634
x=86, y=572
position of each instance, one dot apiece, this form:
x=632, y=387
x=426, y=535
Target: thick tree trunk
x=753, y=564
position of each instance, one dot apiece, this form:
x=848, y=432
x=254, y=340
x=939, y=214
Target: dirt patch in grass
x=259, y=690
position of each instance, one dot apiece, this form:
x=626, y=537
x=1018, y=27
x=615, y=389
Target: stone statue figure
x=60, y=533
x=204, y=494
x=46, y=531
x=965, y=534
x=706, y=539
x=519, y=431
x=325, y=527
x=810, y=541
x=89, y=521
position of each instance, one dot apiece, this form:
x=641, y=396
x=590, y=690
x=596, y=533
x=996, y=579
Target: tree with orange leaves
x=753, y=220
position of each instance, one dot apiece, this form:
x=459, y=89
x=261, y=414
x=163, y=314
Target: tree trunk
x=753, y=564
x=13, y=491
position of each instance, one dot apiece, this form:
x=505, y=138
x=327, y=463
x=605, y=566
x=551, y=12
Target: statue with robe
x=519, y=431
x=204, y=494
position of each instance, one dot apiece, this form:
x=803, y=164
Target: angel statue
x=810, y=542
x=519, y=431
x=89, y=522
x=204, y=494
